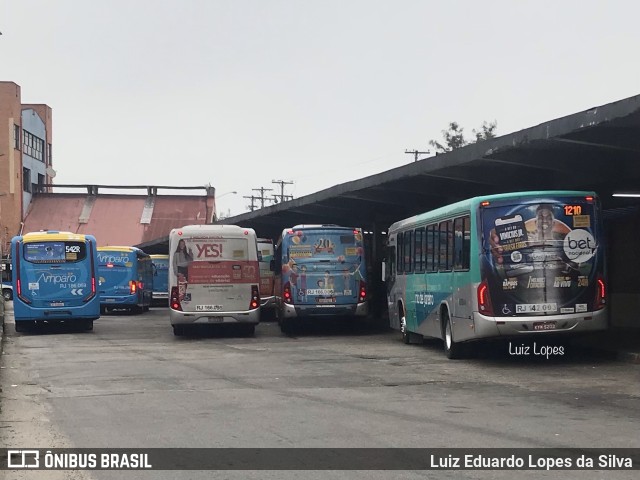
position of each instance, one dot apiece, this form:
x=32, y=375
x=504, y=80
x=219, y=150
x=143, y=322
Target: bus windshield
x=55, y=252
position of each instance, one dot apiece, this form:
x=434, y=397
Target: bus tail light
x=362, y=295
x=601, y=294
x=133, y=287
x=286, y=293
x=174, y=301
x=17, y=273
x=255, y=297
x=484, y=300
x=93, y=276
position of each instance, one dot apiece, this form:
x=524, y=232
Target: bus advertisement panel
x=54, y=279
x=542, y=258
x=160, y=264
x=125, y=280
x=214, y=276
x=322, y=272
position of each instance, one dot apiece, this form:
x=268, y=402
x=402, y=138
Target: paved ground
x=131, y=383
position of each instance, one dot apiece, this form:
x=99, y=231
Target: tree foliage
x=453, y=137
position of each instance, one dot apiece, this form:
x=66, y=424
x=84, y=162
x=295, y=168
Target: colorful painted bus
x=125, y=279
x=267, y=296
x=54, y=279
x=320, y=272
x=523, y=265
x=214, y=277
x=160, y=264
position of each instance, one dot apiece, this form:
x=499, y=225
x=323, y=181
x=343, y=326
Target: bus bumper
x=194, y=318
x=354, y=310
x=268, y=302
x=486, y=327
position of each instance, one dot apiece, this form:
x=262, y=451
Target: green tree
x=453, y=137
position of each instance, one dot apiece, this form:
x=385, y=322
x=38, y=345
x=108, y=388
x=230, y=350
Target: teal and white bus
x=523, y=264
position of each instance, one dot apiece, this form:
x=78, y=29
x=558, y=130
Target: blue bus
x=522, y=265
x=54, y=279
x=320, y=271
x=160, y=264
x=125, y=279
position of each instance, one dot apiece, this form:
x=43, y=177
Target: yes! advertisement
x=541, y=258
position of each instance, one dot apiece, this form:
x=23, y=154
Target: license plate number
x=57, y=304
x=326, y=300
x=536, y=307
x=208, y=308
x=544, y=325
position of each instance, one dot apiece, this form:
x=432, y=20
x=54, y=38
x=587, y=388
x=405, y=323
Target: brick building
x=25, y=158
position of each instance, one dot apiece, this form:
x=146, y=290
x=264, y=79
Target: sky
x=239, y=93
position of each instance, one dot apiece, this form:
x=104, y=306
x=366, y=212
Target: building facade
x=26, y=161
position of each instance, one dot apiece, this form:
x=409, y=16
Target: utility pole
x=282, y=196
x=262, y=198
x=416, y=153
x=253, y=198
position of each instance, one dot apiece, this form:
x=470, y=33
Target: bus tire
x=7, y=294
x=21, y=327
x=178, y=330
x=248, y=330
x=452, y=349
x=87, y=325
x=286, y=326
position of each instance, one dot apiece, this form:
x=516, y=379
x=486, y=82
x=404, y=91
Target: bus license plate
x=326, y=300
x=208, y=308
x=57, y=304
x=536, y=307
x=544, y=325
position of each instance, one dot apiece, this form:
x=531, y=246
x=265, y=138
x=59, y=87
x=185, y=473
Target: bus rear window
x=55, y=252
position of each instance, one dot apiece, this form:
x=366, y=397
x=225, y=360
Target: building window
x=48, y=154
x=16, y=136
x=32, y=145
x=26, y=179
x=41, y=182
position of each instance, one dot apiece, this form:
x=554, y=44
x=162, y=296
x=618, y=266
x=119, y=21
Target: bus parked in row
x=267, y=295
x=125, y=279
x=54, y=279
x=214, y=277
x=160, y=264
x=320, y=271
x=523, y=264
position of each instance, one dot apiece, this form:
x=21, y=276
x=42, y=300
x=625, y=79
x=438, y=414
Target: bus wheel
x=7, y=294
x=21, y=327
x=406, y=336
x=452, y=349
x=286, y=326
x=87, y=325
x=248, y=330
x=178, y=330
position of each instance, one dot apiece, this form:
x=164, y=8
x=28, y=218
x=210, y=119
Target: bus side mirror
x=384, y=271
x=272, y=265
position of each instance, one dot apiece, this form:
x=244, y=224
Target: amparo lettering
x=57, y=278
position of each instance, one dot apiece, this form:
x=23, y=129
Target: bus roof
x=472, y=203
x=160, y=256
x=116, y=248
x=47, y=236
x=232, y=230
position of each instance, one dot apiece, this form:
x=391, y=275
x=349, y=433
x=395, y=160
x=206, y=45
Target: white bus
x=214, y=277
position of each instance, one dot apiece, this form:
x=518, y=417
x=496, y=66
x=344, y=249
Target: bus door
x=53, y=273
